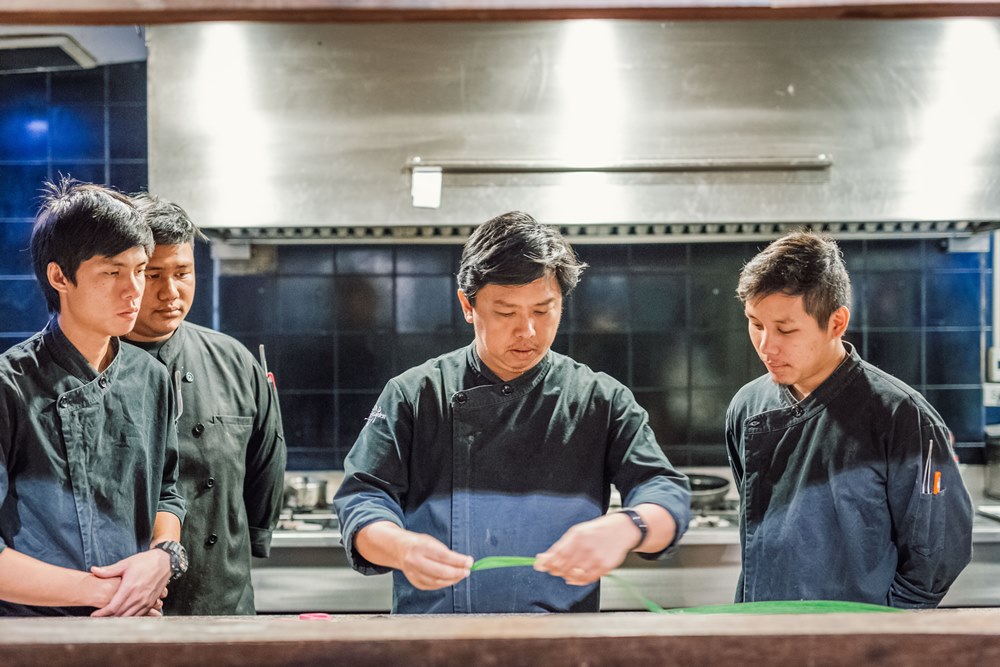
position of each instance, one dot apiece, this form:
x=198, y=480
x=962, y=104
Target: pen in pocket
x=925, y=486
x=179, y=397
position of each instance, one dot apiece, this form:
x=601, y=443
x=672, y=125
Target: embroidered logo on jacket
x=375, y=414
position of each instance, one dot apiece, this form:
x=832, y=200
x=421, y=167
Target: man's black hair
x=78, y=221
x=170, y=223
x=516, y=249
x=802, y=264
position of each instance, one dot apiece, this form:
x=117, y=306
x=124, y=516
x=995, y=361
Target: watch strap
x=178, y=566
x=639, y=523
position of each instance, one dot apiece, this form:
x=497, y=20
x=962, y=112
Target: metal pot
x=992, y=472
x=707, y=490
x=304, y=494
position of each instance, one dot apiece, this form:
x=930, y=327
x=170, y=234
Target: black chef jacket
x=501, y=468
x=87, y=459
x=834, y=503
x=232, y=465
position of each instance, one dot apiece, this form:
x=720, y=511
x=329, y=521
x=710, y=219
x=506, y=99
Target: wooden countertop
x=914, y=639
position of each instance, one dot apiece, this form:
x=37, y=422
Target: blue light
x=37, y=126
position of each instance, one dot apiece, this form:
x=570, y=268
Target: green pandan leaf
x=492, y=562
x=786, y=607
x=766, y=607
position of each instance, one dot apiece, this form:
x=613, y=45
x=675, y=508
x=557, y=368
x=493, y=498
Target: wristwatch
x=639, y=523
x=178, y=558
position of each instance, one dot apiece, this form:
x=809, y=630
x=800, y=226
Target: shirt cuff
x=260, y=542
x=357, y=561
x=904, y=595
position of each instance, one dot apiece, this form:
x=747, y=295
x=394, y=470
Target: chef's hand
x=430, y=565
x=157, y=609
x=144, y=577
x=101, y=590
x=427, y=563
x=589, y=550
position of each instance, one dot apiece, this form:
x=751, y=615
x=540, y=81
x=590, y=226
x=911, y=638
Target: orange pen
x=937, y=482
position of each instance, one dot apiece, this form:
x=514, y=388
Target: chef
x=232, y=448
x=506, y=448
x=89, y=513
x=849, y=486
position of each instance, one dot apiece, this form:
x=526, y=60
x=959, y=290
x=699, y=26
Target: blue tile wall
x=15, y=259
x=338, y=321
x=90, y=125
x=20, y=185
x=661, y=318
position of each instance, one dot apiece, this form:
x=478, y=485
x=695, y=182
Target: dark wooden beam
x=171, y=11
x=916, y=639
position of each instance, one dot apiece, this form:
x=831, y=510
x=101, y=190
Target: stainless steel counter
x=308, y=571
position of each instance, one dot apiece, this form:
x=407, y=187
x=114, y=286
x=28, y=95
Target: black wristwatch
x=178, y=558
x=639, y=523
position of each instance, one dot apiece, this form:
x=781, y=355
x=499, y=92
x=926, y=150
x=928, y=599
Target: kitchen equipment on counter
x=313, y=520
x=304, y=494
x=707, y=491
x=992, y=473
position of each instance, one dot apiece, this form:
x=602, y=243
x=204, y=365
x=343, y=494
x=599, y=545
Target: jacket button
x=210, y=482
x=460, y=397
x=189, y=377
x=62, y=402
x=212, y=539
x=506, y=390
x=198, y=429
x=754, y=422
x=102, y=382
x=798, y=411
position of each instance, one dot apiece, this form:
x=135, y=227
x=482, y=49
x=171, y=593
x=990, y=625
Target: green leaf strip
x=766, y=607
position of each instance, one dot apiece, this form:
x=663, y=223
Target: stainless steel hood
x=632, y=130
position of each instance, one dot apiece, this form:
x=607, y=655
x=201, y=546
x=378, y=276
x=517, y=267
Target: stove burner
x=711, y=522
x=722, y=514
x=307, y=521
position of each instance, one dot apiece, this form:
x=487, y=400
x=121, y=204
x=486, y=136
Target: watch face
x=178, y=558
x=182, y=559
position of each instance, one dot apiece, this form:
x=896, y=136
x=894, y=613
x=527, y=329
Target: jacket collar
x=165, y=351
x=489, y=377
x=172, y=346
x=831, y=386
x=70, y=358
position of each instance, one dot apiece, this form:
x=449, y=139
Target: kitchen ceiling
x=47, y=48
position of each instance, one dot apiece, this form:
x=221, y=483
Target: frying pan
x=707, y=490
